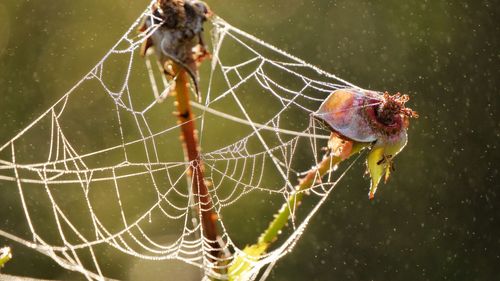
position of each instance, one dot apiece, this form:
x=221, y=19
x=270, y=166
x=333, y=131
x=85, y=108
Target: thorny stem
x=192, y=153
x=242, y=265
x=314, y=175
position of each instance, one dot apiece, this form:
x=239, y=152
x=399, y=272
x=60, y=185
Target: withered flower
x=178, y=38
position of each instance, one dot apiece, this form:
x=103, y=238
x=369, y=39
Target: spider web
x=101, y=173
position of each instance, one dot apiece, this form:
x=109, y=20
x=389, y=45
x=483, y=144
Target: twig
x=192, y=153
x=241, y=264
x=314, y=175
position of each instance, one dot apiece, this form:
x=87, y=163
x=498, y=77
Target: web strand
x=92, y=178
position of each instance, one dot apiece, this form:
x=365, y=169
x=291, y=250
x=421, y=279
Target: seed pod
x=344, y=111
x=369, y=117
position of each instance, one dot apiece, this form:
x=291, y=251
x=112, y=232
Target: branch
x=192, y=154
x=242, y=265
x=313, y=176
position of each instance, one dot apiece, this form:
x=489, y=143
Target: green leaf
x=5, y=255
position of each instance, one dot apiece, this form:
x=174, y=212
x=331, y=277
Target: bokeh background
x=437, y=219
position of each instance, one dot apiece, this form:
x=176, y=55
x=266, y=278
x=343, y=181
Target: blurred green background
x=437, y=218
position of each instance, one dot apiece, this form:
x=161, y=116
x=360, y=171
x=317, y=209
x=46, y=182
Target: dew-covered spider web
x=100, y=178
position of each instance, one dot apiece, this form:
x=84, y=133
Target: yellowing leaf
x=5, y=255
x=379, y=160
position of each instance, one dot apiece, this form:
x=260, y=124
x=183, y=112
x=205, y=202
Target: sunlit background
x=436, y=219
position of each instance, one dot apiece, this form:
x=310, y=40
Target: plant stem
x=192, y=154
x=314, y=175
x=242, y=265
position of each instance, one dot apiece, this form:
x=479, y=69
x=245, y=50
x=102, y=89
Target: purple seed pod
x=369, y=117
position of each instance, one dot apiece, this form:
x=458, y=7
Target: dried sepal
x=339, y=146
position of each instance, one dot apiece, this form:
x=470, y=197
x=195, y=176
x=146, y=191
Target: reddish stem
x=192, y=153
